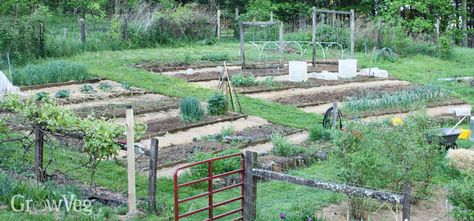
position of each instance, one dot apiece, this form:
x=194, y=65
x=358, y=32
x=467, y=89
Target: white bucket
x=347, y=68
x=298, y=71
x=189, y=71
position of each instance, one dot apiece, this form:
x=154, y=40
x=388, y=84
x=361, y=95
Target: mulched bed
x=285, y=85
x=174, y=124
x=325, y=97
x=175, y=154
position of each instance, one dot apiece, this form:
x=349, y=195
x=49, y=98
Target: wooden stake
x=379, y=34
x=125, y=27
x=83, y=32
x=282, y=45
x=406, y=202
x=41, y=40
x=352, y=32
x=132, y=201
x=218, y=24
x=152, y=174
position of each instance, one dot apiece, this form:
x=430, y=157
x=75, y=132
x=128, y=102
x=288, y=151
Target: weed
x=319, y=133
x=87, y=89
x=283, y=147
x=191, y=110
x=214, y=57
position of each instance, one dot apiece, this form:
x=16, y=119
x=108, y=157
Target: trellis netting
x=6, y=86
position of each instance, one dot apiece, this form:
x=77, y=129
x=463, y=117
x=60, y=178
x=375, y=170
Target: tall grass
x=53, y=71
x=190, y=109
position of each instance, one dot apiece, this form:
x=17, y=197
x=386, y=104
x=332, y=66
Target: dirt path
x=187, y=136
x=433, y=112
x=342, y=87
x=200, y=70
x=267, y=147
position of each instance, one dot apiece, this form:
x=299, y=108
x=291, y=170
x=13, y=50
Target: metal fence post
x=82, y=25
x=406, y=202
x=250, y=187
x=152, y=174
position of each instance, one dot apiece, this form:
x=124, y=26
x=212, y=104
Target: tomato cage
x=209, y=178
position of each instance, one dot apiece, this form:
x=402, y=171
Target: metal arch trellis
x=302, y=46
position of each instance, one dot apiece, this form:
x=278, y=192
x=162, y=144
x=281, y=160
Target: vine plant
x=98, y=134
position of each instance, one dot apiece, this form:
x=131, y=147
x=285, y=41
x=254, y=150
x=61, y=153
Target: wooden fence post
x=41, y=40
x=39, y=144
x=313, y=39
x=152, y=174
x=271, y=16
x=218, y=24
x=379, y=33
x=282, y=45
x=242, y=50
x=82, y=25
x=250, y=187
x=125, y=27
x=438, y=23
x=132, y=201
x=406, y=202
x=352, y=32
x=236, y=12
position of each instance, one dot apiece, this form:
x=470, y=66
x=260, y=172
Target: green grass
x=52, y=71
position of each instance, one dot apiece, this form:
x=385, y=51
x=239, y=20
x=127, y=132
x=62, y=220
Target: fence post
x=379, y=33
x=236, y=12
x=152, y=174
x=242, y=50
x=218, y=24
x=406, y=202
x=352, y=32
x=250, y=187
x=117, y=7
x=125, y=27
x=282, y=45
x=82, y=25
x=438, y=23
x=271, y=16
x=39, y=144
x=41, y=39
x=313, y=39
x=132, y=205
x=9, y=66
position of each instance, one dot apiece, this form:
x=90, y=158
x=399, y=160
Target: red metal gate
x=211, y=191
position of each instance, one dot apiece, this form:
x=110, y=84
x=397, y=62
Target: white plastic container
x=347, y=68
x=298, y=71
x=380, y=73
x=189, y=71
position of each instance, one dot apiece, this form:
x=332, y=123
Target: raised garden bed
x=175, y=124
x=325, y=97
x=176, y=154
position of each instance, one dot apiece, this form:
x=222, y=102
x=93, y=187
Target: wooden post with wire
x=39, y=145
x=83, y=32
x=282, y=45
x=132, y=200
x=228, y=89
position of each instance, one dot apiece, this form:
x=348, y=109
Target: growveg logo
x=20, y=203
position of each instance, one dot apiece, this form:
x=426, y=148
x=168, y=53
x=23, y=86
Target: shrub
x=445, y=50
x=319, y=133
x=216, y=104
x=63, y=94
x=461, y=196
x=50, y=72
x=190, y=110
x=283, y=147
x=243, y=81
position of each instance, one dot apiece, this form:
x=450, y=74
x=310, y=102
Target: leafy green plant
x=42, y=96
x=105, y=86
x=190, y=109
x=461, y=196
x=87, y=89
x=227, y=131
x=318, y=132
x=241, y=80
x=269, y=81
x=216, y=104
x=214, y=57
x=445, y=47
x=283, y=147
x=63, y=94
x=125, y=86
x=53, y=71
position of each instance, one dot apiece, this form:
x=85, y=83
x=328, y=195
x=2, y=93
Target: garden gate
x=211, y=191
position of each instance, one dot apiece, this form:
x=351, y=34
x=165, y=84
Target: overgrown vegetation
x=190, y=110
x=319, y=133
x=283, y=147
x=52, y=71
